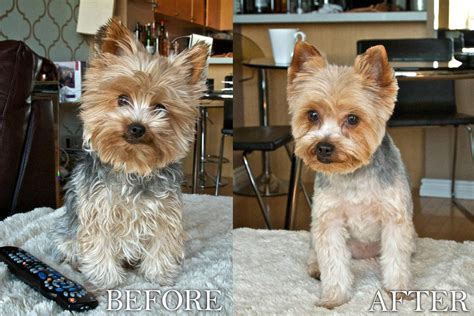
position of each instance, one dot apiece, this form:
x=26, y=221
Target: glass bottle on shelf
x=278, y=6
x=143, y=34
x=163, y=40
x=137, y=30
x=154, y=36
x=262, y=6
x=248, y=6
x=149, y=40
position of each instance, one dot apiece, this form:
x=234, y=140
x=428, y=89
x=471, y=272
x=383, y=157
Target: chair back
x=419, y=97
x=415, y=49
x=467, y=36
x=27, y=133
x=457, y=37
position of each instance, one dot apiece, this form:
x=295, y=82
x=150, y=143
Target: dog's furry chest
x=367, y=198
x=121, y=209
x=358, y=204
x=127, y=206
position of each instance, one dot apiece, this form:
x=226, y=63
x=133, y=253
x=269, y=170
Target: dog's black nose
x=324, y=149
x=136, y=130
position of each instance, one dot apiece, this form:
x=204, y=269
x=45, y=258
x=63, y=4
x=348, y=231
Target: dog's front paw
x=332, y=297
x=330, y=303
x=102, y=279
x=155, y=271
x=399, y=295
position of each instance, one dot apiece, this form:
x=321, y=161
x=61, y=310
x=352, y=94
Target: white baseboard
x=442, y=188
x=240, y=175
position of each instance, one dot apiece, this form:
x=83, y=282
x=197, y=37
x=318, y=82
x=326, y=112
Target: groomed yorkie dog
x=362, y=204
x=123, y=203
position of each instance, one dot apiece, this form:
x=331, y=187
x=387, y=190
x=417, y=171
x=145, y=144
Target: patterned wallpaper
x=47, y=26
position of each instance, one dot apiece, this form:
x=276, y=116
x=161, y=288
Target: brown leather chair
x=27, y=133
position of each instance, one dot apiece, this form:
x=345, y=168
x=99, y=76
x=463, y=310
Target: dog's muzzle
x=324, y=151
x=135, y=132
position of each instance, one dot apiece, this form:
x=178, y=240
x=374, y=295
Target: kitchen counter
x=364, y=17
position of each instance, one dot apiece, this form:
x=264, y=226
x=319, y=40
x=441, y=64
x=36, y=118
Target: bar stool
x=227, y=130
x=200, y=177
x=260, y=138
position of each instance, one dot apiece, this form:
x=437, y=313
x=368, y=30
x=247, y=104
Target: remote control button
x=42, y=275
x=72, y=294
x=72, y=300
x=59, y=289
x=65, y=293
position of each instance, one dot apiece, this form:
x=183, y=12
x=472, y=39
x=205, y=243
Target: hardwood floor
x=433, y=217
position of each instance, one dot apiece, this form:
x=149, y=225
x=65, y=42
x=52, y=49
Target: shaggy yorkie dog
x=123, y=204
x=362, y=204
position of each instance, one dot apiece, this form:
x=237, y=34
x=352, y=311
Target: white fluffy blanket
x=208, y=262
x=270, y=275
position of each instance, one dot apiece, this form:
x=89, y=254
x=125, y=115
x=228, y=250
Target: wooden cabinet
x=187, y=10
x=199, y=12
x=167, y=7
x=219, y=14
x=215, y=14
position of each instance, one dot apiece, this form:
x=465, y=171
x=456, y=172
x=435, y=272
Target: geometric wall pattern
x=47, y=26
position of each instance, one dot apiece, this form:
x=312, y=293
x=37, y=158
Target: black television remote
x=49, y=282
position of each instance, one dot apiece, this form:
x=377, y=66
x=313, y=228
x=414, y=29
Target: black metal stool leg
x=471, y=139
x=300, y=181
x=219, y=165
x=469, y=214
x=196, y=157
x=453, y=169
x=257, y=192
x=295, y=175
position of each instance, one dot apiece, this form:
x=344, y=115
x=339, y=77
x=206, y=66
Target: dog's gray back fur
x=386, y=169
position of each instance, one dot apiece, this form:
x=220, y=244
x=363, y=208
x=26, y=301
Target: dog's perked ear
x=116, y=39
x=302, y=54
x=373, y=65
x=196, y=57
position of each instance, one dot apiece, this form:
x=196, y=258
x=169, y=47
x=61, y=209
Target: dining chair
x=426, y=102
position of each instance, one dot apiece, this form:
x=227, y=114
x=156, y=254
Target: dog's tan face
x=339, y=114
x=139, y=110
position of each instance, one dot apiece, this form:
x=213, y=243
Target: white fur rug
x=270, y=275
x=208, y=262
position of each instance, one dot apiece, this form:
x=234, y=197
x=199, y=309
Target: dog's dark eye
x=159, y=107
x=123, y=100
x=313, y=116
x=352, y=119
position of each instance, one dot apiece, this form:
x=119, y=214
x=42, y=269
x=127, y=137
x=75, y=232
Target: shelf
x=220, y=61
x=362, y=17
